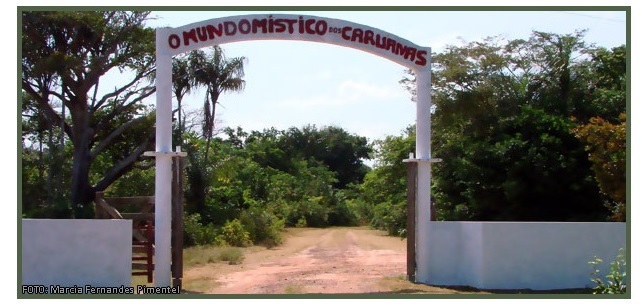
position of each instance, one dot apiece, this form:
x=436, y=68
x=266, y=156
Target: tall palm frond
x=219, y=75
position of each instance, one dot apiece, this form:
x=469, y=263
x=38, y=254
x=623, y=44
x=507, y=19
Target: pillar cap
x=152, y=153
x=422, y=160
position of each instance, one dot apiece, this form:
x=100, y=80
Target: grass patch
x=293, y=289
x=201, y=255
x=233, y=255
x=199, y=285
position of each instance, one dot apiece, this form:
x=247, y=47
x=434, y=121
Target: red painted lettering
x=400, y=49
x=390, y=45
x=381, y=41
x=201, y=33
x=174, y=41
x=213, y=32
x=421, y=60
x=259, y=23
x=280, y=26
x=187, y=36
x=308, y=26
x=367, y=38
x=245, y=26
x=271, y=24
x=291, y=23
x=344, y=33
x=321, y=27
x=301, y=24
x=357, y=34
x=230, y=28
x=410, y=53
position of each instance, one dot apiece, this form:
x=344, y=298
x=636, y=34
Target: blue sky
x=298, y=83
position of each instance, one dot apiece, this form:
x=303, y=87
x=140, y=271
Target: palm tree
x=218, y=74
x=183, y=82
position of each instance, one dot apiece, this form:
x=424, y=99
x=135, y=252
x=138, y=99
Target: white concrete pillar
x=163, y=194
x=423, y=171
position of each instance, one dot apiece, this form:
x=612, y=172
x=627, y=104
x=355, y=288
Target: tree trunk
x=214, y=101
x=82, y=193
x=41, y=161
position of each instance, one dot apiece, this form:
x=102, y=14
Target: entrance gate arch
x=218, y=31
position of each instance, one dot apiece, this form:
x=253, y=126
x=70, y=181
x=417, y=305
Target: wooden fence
x=141, y=211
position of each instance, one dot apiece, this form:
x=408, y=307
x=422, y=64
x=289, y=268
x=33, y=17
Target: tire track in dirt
x=336, y=260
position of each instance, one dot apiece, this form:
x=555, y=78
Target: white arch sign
x=218, y=31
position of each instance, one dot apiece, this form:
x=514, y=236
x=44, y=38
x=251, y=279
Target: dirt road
x=335, y=260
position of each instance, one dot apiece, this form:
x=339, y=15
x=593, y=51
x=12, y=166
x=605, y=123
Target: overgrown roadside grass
x=198, y=256
x=201, y=255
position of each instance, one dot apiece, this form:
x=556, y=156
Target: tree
x=183, y=82
x=503, y=123
x=342, y=152
x=45, y=171
x=218, y=75
x=554, y=57
x=606, y=146
x=604, y=82
x=64, y=57
x=384, y=188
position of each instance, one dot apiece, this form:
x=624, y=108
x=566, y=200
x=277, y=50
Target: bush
x=301, y=223
x=391, y=218
x=343, y=214
x=616, y=279
x=196, y=233
x=234, y=234
x=361, y=210
x=263, y=227
x=313, y=210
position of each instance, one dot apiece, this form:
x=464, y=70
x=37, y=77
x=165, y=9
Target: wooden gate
x=141, y=211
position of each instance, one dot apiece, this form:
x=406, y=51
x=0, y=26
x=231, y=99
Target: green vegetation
x=293, y=290
x=232, y=255
x=529, y=130
x=204, y=254
x=506, y=113
x=615, y=279
x=260, y=182
x=92, y=140
x=606, y=144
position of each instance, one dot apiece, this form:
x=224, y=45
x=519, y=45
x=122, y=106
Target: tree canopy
x=65, y=55
x=504, y=122
x=528, y=129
